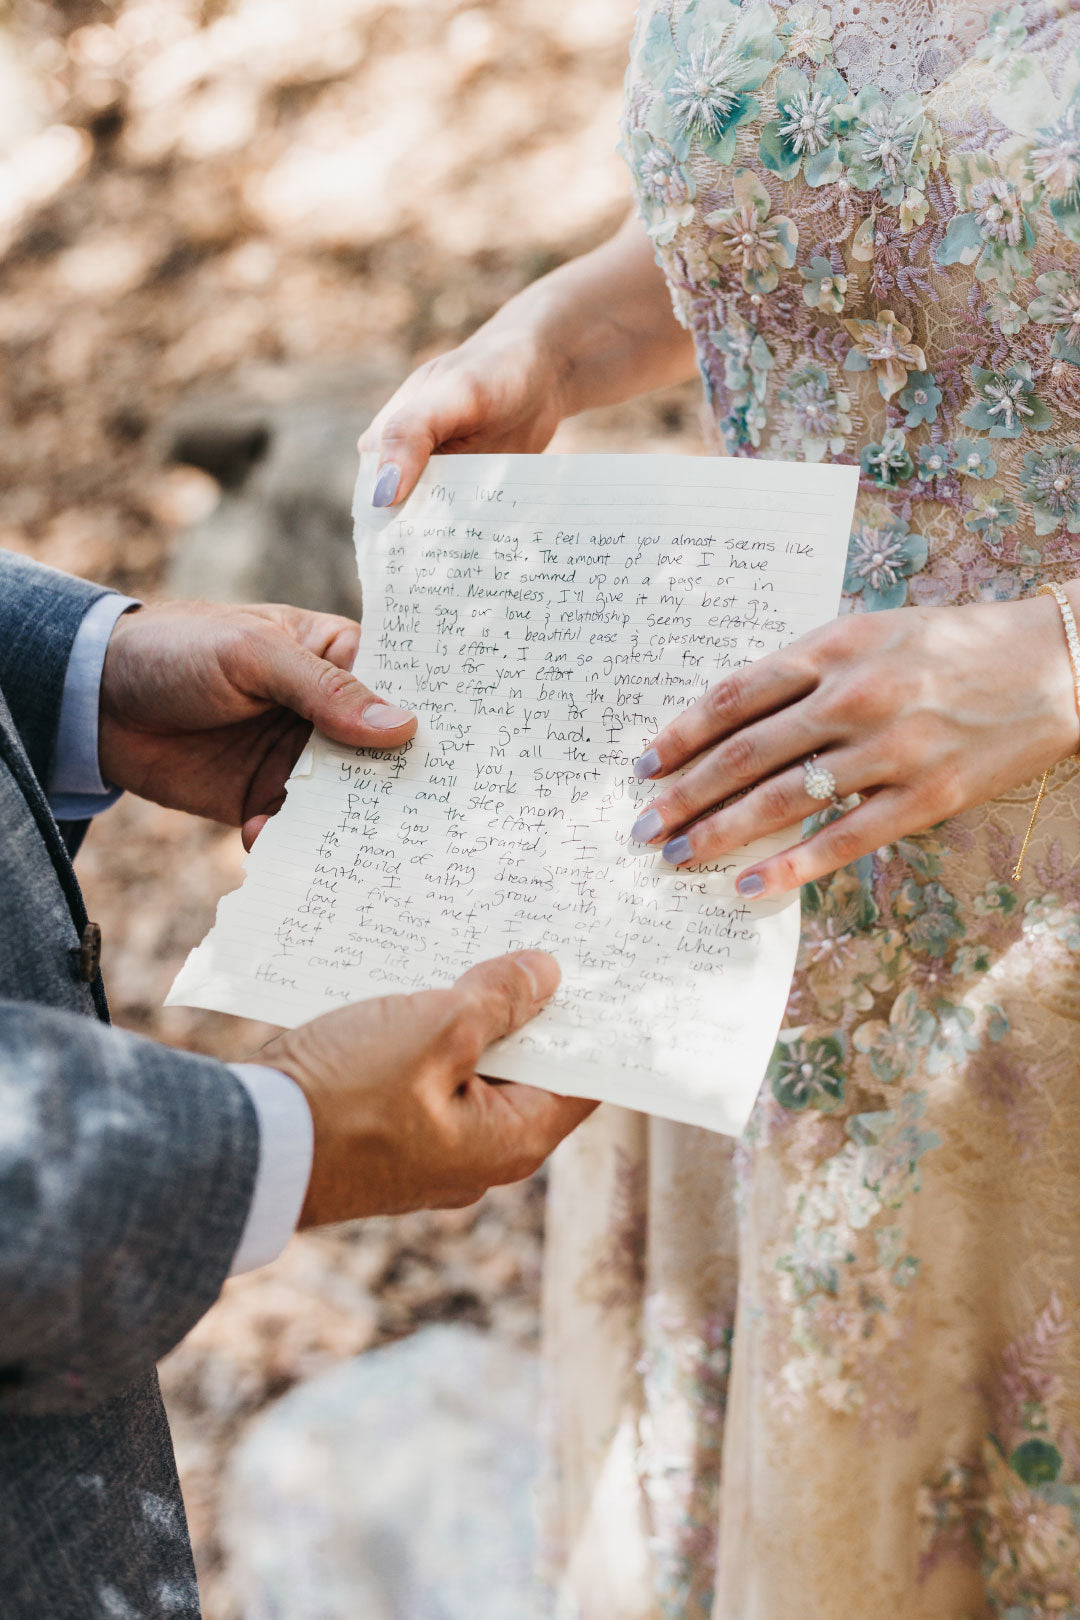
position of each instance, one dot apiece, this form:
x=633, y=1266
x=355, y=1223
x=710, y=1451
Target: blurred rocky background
x=227, y=229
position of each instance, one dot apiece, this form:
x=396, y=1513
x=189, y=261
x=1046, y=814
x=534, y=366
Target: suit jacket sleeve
x=40, y=613
x=126, y=1174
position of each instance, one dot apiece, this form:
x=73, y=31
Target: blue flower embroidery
x=1050, y=480
x=1005, y=404
x=705, y=68
x=803, y=135
x=882, y=556
x=920, y=399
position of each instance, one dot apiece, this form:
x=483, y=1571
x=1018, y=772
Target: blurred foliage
x=266, y=182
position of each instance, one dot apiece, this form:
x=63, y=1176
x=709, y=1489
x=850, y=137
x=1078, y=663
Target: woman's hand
x=502, y=390
x=595, y=331
x=923, y=712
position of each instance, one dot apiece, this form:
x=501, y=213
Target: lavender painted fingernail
x=647, y=765
x=750, y=885
x=677, y=851
x=386, y=485
x=647, y=827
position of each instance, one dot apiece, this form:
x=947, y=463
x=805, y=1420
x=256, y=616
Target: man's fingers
x=331, y=635
x=515, y=1127
x=495, y=998
x=546, y=1113
x=342, y=649
x=332, y=698
x=251, y=829
x=540, y=1120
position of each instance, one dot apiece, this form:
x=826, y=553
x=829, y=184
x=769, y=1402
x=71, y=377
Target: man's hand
x=207, y=708
x=402, y=1119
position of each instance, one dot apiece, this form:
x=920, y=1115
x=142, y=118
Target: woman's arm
x=597, y=330
x=608, y=318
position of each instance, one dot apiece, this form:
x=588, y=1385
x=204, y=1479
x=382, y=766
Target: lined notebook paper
x=545, y=616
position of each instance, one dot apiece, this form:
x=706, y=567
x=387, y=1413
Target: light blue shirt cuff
x=286, y=1148
x=76, y=791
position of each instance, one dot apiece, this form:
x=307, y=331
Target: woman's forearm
x=606, y=321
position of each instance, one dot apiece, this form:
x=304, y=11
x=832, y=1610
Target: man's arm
x=40, y=614
x=77, y=793
x=126, y=1175
x=207, y=709
x=126, y=1169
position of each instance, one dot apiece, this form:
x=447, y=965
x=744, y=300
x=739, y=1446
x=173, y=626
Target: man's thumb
x=502, y=994
x=333, y=700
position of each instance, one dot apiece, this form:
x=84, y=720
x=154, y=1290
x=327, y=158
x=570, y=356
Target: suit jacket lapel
x=13, y=755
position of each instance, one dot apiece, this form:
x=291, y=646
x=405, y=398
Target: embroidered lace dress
x=833, y=1372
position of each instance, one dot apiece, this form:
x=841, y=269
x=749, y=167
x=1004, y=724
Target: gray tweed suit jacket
x=126, y=1173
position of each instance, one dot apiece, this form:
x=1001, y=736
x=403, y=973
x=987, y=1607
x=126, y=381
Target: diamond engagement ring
x=819, y=781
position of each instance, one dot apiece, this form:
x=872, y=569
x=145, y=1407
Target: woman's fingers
x=442, y=405
x=431, y=408
x=750, y=756
x=496, y=392
x=749, y=693
x=879, y=820
x=405, y=444
x=780, y=802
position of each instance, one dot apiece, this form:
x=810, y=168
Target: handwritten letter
x=545, y=616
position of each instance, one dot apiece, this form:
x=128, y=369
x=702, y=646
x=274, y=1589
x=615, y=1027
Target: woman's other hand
x=924, y=712
x=595, y=331
x=502, y=390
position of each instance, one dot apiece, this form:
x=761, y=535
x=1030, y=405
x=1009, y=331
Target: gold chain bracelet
x=1072, y=637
